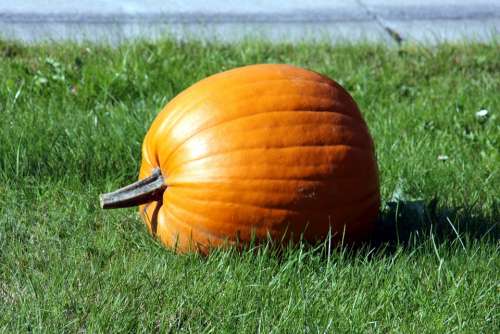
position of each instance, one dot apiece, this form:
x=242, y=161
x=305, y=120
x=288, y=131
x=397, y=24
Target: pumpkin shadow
x=408, y=224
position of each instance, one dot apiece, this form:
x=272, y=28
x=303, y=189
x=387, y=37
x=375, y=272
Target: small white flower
x=482, y=114
x=442, y=157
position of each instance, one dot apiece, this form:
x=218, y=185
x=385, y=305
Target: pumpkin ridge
x=211, y=127
x=226, y=182
x=174, y=184
x=365, y=195
x=168, y=228
x=221, y=236
x=315, y=185
x=173, y=170
x=214, y=238
x=366, y=198
x=283, y=147
x=205, y=221
x=209, y=95
x=293, y=112
x=294, y=120
x=146, y=154
x=208, y=220
x=199, y=229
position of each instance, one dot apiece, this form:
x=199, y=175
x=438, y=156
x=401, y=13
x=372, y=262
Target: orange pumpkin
x=256, y=152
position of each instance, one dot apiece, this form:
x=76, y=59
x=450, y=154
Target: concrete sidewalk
x=352, y=20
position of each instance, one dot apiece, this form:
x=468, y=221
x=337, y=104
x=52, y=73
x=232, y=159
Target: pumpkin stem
x=143, y=191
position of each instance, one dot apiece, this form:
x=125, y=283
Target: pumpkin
x=257, y=152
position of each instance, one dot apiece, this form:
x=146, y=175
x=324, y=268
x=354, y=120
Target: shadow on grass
x=408, y=223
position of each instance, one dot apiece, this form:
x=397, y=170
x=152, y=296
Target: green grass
x=72, y=121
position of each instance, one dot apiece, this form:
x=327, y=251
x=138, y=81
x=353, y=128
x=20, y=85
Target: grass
x=72, y=121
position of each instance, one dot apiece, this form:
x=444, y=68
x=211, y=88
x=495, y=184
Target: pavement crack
x=393, y=34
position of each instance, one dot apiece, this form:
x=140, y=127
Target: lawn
x=72, y=121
